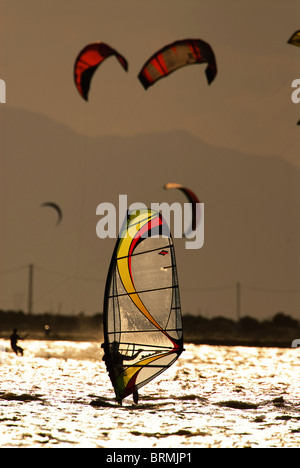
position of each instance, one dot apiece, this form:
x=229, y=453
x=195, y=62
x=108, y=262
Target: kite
x=57, y=208
x=176, y=55
x=295, y=39
x=87, y=62
x=192, y=198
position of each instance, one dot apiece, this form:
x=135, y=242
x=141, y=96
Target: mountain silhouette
x=252, y=206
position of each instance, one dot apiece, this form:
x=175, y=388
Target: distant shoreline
x=244, y=343
x=278, y=332
x=86, y=337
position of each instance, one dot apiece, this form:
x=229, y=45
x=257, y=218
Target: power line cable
x=12, y=270
x=59, y=273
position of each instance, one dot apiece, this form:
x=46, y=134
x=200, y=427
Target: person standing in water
x=14, y=338
x=116, y=359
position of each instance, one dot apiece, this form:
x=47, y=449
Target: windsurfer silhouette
x=14, y=338
x=116, y=360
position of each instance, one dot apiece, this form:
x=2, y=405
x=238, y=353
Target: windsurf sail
x=142, y=314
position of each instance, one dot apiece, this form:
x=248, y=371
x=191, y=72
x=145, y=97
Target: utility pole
x=30, y=288
x=238, y=301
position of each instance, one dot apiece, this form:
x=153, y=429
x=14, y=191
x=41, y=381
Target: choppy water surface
x=212, y=397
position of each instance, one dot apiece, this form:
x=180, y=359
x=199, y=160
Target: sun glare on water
x=60, y=395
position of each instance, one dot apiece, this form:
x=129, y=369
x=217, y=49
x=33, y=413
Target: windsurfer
x=115, y=360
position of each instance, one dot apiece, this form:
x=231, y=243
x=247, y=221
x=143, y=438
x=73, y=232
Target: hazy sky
x=248, y=108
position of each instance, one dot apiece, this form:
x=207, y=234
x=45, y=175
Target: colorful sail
x=142, y=313
x=176, y=55
x=295, y=39
x=88, y=61
x=192, y=198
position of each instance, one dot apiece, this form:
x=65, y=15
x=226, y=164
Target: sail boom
x=147, y=331
x=141, y=292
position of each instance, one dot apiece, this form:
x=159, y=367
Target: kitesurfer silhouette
x=14, y=343
x=116, y=360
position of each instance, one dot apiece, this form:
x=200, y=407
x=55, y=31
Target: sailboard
x=142, y=320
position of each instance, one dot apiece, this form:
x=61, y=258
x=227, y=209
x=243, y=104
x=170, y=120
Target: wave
x=25, y=397
x=83, y=351
x=235, y=404
x=104, y=403
x=188, y=397
x=159, y=435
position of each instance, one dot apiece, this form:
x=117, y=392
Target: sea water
x=59, y=395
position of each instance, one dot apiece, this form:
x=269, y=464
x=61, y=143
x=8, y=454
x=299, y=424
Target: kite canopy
x=192, y=198
x=177, y=55
x=89, y=60
x=141, y=314
x=295, y=39
x=56, y=208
